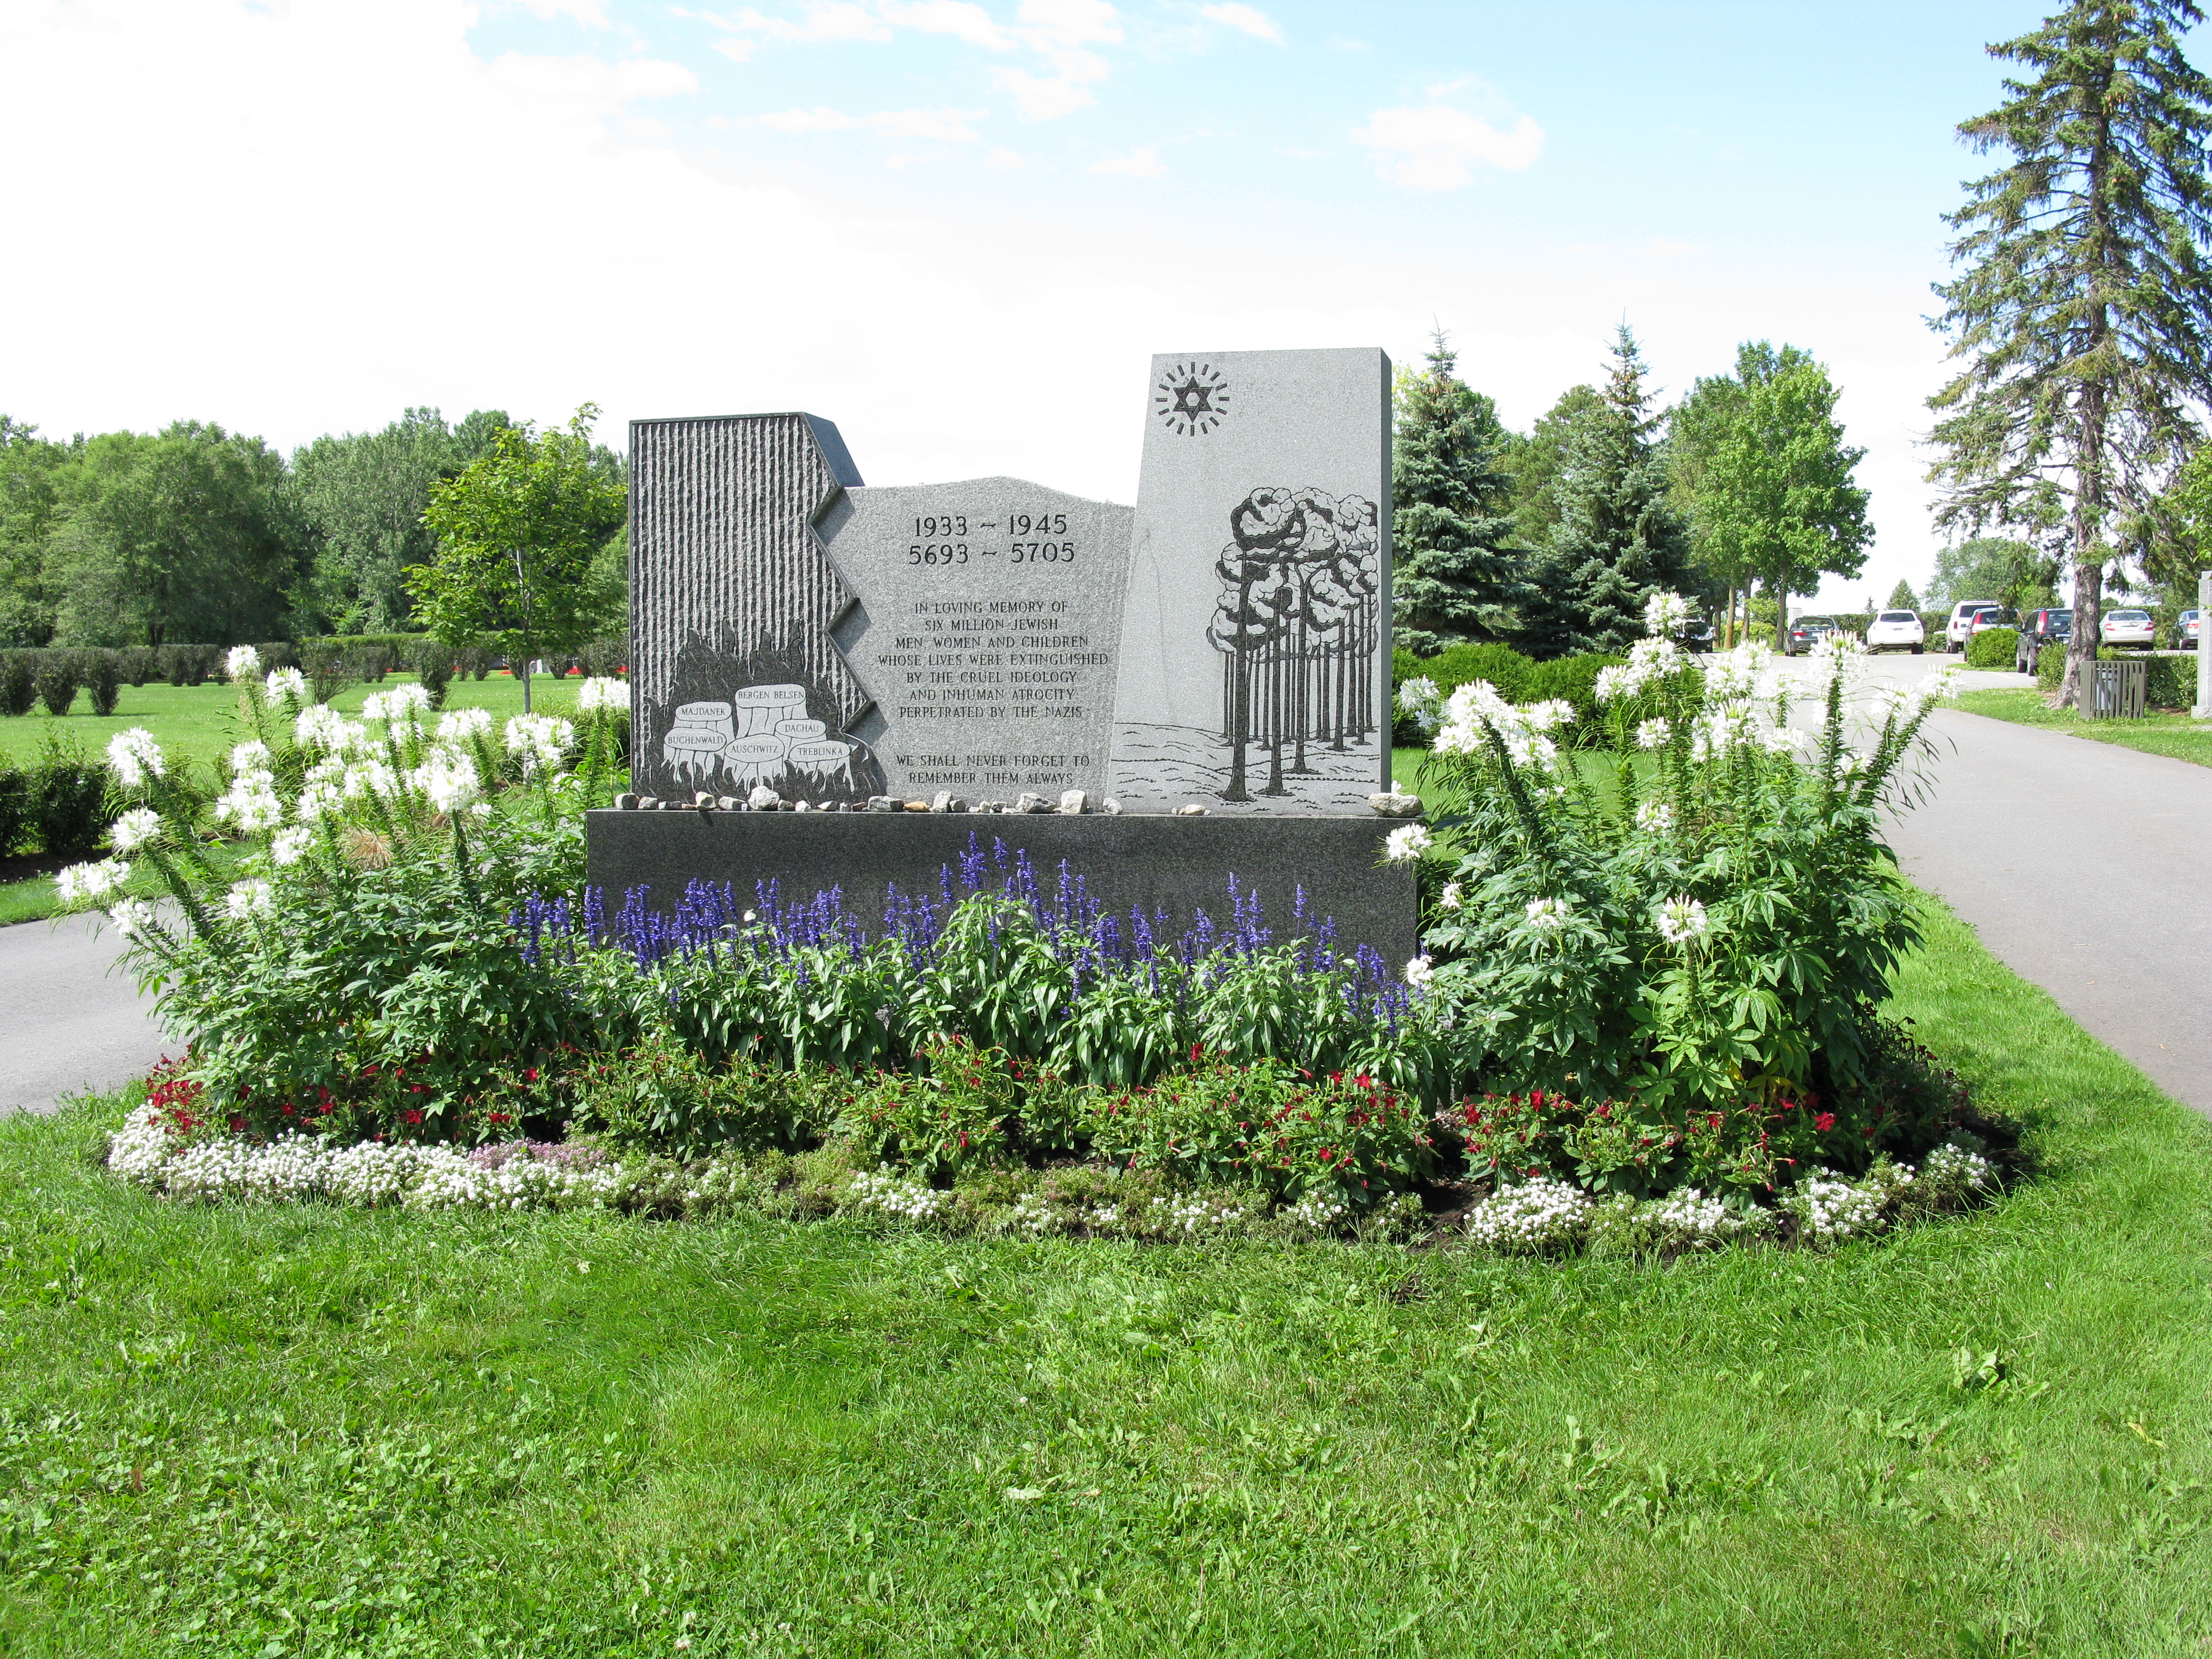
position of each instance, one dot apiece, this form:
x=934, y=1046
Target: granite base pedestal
x=1178, y=865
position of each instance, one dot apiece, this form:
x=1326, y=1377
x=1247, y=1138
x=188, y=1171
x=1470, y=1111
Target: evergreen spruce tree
x=2083, y=310
x=1902, y=598
x=1454, y=577
x=1620, y=537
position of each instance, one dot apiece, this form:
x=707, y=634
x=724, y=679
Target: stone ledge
x=1154, y=862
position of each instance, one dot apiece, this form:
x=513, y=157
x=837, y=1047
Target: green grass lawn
x=2174, y=735
x=301, y=1431
x=200, y=724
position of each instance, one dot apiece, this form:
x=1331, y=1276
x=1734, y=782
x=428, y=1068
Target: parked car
x=2037, y=629
x=1806, y=632
x=1695, y=635
x=1991, y=616
x=2128, y=628
x=1896, y=630
x=1956, y=632
x=2186, y=627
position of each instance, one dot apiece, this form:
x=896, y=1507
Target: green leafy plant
x=57, y=680
x=1994, y=648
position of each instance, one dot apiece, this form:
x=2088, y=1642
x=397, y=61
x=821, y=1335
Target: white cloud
x=1137, y=164
x=1439, y=148
x=969, y=22
x=590, y=84
x=1250, y=19
x=821, y=20
x=948, y=125
x=590, y=13
x=1050, y=23
x=1043, y=98
x=1007, y=161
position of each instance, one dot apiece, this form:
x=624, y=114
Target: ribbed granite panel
x=730, y=588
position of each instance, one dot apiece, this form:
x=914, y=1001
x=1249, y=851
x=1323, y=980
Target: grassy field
x=201, y=723
x=304, y=1431
x=2174, y=735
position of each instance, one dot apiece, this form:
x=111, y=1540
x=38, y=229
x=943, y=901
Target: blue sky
x=958, y=228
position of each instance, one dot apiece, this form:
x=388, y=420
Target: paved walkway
x=67, y=1023
x=2074, y=861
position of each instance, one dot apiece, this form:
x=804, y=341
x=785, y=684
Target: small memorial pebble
x=729, y=802
x=1074, y=802
x=946, y=801
x=1193, y=810
x=1032, y=802
x=626, y=802
x=763, y=800
x=648, y=803
x=1110, y=807
x=917, y=806
x=882, y=804
x=1395, y=805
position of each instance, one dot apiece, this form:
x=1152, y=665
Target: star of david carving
x=1191, y=398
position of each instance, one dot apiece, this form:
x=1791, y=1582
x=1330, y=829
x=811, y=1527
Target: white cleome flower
x=133, y=918
x=248, y=899
x=88, y=883
x=289, y=846
x=447, y=780
x=321, y=726
x=465, y=723
x=1681, y=921
x=286, y=686
x=1406, y=843
x=251, y=802
x=603, y=693
x=1942, y=686
x=1543, y=716
x=1654, y=733
x=1665, y=614
x=1450, y=897
x=1421, y=699
x=134, y=757
x=540, y=739
x=1546, y=914
x=372, y=777
x=134, y=829
x=251, y=756
x=317, y=797
x=1419, y=971
x=242, y=663
x=1655, y=815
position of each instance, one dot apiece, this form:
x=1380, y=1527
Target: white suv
x=1961, y=626
x=1894, y=630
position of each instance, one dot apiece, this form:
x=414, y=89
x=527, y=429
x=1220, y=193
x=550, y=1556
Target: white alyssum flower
x=133, y=918
x=540, y=739
x=603, y=693
x=894, y=1196
x=1687, y=1216
x=243, y=662
x=1665, y=614
x=251, y=756
x=1682, y=920
x=1421, y=698
x=286, y=686
x=1407, y=843
x=459, y=725
x=1419, y=971
x=1547, y=914
x=81, y=884
x=134, y=757
x=1318, y=1212
x=1543, y=1214
x=1952, y=1171
x=1654, y=733
x=1452, y=896
x=248, y=899
x=1655, y=815
x=289, y=845
x=134, y=829
x=1830, y=1209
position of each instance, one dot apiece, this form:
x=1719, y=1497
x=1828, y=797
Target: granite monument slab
x=985, y=629
x=1256, y=647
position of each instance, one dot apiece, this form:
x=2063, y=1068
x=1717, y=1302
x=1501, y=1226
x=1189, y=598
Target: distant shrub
x=188, y=664
x=68, y=794
x=2169, y=682
x=139, y=663
x=101, y=673
x=15, y=808
x=2050, y=667
x=1994, y=648
x=19, y=688
x=57, y=682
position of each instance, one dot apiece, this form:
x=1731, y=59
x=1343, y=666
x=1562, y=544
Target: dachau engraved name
x=986, y=631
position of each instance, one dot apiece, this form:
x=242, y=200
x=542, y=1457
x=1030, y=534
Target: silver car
x=2128, y=628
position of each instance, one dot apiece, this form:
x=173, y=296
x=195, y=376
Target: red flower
x=237, y=1124
x=412, y=1117
x=1825, y=1122
x=531, y=1075
x=291, y=1110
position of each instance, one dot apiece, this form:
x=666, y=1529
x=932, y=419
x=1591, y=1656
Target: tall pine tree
x=1620, y=537
x=2083, y=313
x=1454, y=577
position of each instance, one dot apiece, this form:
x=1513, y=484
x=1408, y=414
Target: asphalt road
x=2025, y=832
x=68, y=1024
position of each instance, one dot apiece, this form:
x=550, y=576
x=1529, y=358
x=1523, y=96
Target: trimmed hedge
x=2168, y=681
x=55, y=804
x=1994, y=648
x=1518, y=679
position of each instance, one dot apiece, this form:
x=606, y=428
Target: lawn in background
x=2175, y=735
x=307, y=1431
x=198, y=724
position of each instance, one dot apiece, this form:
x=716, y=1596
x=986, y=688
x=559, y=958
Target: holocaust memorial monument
x=840, y=687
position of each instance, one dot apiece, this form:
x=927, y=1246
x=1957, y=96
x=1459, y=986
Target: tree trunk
x=1779, y=583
